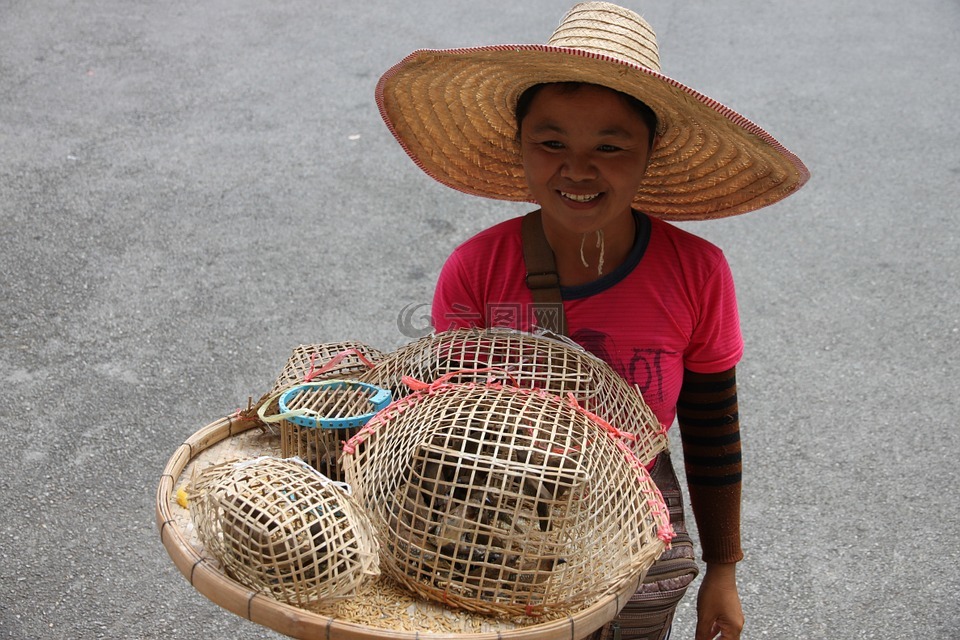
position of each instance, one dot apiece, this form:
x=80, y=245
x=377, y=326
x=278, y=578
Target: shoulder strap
x=542, y=277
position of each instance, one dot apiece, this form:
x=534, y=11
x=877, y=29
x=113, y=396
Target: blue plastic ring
x=380, y=399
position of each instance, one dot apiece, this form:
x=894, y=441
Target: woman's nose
x=578, y=167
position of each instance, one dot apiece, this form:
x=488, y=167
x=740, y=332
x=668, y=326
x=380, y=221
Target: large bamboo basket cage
x=281, y=527
x=327, y=412
x=380, y=607
x=503, y=500
x=542, y=361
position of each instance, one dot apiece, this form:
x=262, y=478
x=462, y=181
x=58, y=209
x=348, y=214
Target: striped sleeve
x=709, y=421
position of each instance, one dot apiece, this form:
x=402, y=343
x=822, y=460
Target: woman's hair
x=526, y=99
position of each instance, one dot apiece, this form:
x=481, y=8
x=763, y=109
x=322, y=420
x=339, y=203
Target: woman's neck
x=584, y=258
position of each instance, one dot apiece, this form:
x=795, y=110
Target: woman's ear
x=654, y=144
x=653, y=147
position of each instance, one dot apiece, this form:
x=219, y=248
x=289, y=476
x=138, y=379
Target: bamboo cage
x=329, y=414
x=280, y=527
x=504, y=500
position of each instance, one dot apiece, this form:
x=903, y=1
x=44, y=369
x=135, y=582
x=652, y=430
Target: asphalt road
x=188, y=190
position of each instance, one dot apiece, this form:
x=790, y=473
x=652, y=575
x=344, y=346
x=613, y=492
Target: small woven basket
x=544, y=361
x=281, y=528
x=316, y=418
x=314, y=362
x=504, y=501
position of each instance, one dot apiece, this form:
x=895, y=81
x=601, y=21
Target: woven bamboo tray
x=407, y=617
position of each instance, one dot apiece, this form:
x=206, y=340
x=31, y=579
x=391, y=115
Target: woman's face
x=584, y=154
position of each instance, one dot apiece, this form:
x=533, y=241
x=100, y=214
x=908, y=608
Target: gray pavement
x=188, y=190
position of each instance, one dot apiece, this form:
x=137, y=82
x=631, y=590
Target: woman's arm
x=708, y=416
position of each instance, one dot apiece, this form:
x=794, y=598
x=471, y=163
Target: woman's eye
x=552, y=144
x=607, y=148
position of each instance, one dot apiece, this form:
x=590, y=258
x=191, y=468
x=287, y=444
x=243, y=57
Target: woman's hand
x=719, y=614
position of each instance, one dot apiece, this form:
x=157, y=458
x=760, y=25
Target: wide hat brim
x=453, y=112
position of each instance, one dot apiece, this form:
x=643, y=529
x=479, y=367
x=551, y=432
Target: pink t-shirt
x=671, y=305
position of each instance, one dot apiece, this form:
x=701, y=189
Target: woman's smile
x=580, y=198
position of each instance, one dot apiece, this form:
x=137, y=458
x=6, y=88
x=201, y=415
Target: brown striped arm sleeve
x=709, y=421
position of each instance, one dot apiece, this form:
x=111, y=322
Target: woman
x=608, y=148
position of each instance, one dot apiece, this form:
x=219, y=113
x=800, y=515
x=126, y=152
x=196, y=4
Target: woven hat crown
x=608, y=30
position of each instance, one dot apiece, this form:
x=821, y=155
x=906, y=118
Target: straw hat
x=453, y=112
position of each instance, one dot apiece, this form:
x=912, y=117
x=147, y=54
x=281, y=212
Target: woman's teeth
x=579, y=198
